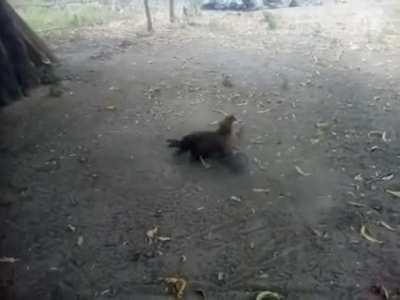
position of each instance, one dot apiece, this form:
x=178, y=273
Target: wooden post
x=148, y=15
x=171, y=11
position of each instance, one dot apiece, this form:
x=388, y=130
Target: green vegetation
x=44, y=17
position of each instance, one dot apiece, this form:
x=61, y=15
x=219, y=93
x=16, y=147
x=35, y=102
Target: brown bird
x=204, y=144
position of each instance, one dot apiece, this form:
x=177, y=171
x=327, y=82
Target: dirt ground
x=86, y=175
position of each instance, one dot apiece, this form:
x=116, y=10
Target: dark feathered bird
x=205, y=144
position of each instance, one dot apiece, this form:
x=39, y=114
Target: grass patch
x=42, y=17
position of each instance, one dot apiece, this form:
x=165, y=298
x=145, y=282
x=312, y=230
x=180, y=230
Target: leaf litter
x=268, y=295
x=153, y=234
x=301, y=172
x=387, y=226
x=368, y=237
x=177, y=286
x=393, y=193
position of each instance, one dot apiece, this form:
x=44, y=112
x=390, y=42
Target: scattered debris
x=111, y=107
x=262, y=166
x=242, y=103
x=301, y=172
x=356, y=204
x=393, y=193
x=387, y=226
x=80, y=241
x=384, y=138
x=71, y=227
x=113, y=88
x=151, y=234
x=358, y=177
x=322, y=125
x=374, y=148
x=220, y=276
x=183, y=258
x=319, y=234
x=234, y=198
x=257, y=140
x=365, y=235
x=380, y=134
x=177, y=286
x=388, y=177
x=258, y=190
x=263, y=111
x=164, y=238
x=268, y=295
x=10, y=260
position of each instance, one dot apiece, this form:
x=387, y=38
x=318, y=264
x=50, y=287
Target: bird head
x=229, y=119
x=225, y=126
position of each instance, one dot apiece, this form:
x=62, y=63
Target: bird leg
x=203, y=162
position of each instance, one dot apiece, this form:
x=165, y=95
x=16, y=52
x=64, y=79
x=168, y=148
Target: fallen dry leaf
x=365, y=235
x=220, y=276
x=322, y=125
x=10, y=260
x=263, y=111
x=393, y=193
x=301, y=172
x=387, y=226
x=111, y=107
x=374, y=148
x=258, y=190
x=356, y=204
x=262, y=166
x=71, y=227
x=384, y=138
x=388, y=177
x=152, y=233
x=375, y=133
x=164, y=238
x=234, y=198
x=177, y=286
x=268, y=295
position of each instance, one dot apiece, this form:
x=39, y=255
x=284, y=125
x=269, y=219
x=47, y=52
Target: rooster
x=219, y=143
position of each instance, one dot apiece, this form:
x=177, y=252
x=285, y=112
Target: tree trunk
x=148, y=15
x=171, y=11
x=23, y=56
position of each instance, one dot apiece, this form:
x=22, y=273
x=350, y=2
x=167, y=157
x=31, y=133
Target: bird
x=219, y=143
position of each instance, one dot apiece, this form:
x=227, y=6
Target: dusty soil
x=85, y=175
